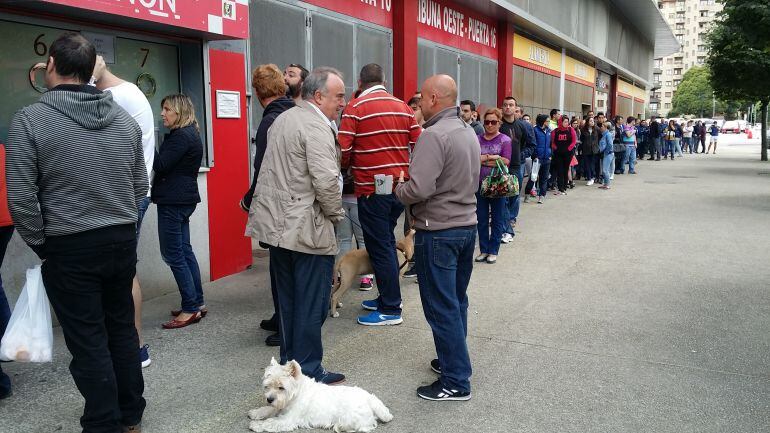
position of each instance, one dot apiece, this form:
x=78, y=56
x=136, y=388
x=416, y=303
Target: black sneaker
x=411, y=272
x=437, y=392
x=435, y=366
x=330, y=378
x=273, y=340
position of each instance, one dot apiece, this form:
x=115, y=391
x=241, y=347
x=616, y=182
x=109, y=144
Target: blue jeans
x=378, y=215
x=670, y=147
x=444, y=261
x=175, y=248
x=349, y=228
x=512, y=206
x=630, y=158
x=607, y=161
x=5, y=310
x=302, y=288
x=143, y=206
x=490, y=244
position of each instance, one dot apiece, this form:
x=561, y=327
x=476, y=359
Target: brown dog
x=356, y=262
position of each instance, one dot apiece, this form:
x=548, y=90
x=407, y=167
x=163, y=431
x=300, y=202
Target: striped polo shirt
x=375, y=136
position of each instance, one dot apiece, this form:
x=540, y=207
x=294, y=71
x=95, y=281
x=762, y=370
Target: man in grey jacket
x=76, y=176
x=296, y=203
x=443, y=180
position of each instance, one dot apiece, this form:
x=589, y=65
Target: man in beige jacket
x=296, y=202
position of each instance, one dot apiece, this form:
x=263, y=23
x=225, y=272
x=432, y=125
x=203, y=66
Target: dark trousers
x=656, y=148
x=619, y=157
x=562, y=160
x=177, y=252
x=589, y=164
x=5, y=310
x=444, y=260
x=88, y=278
x=702, y=143
x=303, y=290
x=378, y=215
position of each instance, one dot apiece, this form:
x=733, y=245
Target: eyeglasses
x=491, y=122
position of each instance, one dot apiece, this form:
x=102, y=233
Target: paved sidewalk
x=640, y=309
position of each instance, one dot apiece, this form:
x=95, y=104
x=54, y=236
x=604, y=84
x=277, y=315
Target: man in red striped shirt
x=375, y=136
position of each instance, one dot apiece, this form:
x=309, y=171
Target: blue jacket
x=543, y=143
x=605, y=144
x=176, y=168
x=641, y=133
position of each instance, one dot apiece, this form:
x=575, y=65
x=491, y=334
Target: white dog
x=298, y=401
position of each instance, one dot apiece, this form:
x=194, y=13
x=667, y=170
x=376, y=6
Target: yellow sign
x=579, y=70
x=626, y=88
x=640, y=93
x=535, y=55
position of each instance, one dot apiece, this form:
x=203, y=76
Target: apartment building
x=690, y=20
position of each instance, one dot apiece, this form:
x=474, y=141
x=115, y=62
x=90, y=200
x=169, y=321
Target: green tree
x=739, y=55
x=694, y=95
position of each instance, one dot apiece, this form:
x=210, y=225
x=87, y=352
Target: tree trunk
x=763, y=131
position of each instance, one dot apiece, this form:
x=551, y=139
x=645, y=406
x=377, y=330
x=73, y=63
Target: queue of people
x=312, y=195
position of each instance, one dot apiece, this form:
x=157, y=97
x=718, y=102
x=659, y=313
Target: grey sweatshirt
x=444, y=174
x=74, y=163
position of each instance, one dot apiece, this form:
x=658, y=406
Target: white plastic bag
x=535, y=170
x=29, y=335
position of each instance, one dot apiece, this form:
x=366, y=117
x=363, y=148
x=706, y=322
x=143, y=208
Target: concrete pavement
x=640, y=309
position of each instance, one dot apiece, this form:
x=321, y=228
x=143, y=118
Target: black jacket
x=590, y=141
x=272, y=111
x=522, y=142
x=176, y=168
x=655, y=129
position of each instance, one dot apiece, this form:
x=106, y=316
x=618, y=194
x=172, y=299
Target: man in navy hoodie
x=270, y=87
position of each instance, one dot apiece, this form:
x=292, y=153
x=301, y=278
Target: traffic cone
x=748, y=133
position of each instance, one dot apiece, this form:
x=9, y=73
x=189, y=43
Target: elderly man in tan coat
x=296, y=202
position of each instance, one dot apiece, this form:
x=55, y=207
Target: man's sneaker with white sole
x=438, y=392
x=375, y=318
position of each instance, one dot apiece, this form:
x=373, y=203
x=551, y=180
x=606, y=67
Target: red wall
x=229, y=249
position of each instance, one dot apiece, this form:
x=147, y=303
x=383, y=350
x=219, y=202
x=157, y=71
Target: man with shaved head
x=442, y=193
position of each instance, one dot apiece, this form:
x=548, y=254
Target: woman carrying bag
x=495, y=152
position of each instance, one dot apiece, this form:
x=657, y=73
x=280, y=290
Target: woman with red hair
x=563, y=141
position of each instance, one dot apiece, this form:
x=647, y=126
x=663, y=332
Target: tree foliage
x=739, y=54
x=694, y=95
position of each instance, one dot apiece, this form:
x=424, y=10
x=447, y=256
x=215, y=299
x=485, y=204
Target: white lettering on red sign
x=157, y=7
x=433, y=14
x=384, y=4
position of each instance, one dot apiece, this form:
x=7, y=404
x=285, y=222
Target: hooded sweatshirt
x=563, y=140
x=74, y=163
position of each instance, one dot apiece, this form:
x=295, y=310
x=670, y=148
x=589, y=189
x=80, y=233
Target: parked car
x=731, y=127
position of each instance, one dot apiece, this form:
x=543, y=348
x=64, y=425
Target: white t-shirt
x=131, y=99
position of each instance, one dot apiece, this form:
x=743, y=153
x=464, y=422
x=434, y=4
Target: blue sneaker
x=329, y=378
x=144, y=355
x=375, y=318
x=370, y=305
x=373, y=305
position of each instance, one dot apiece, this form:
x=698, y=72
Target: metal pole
x=713, y=105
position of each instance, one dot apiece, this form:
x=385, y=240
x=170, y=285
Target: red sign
x=221, y=17
x=449, y=24
x=374, y=11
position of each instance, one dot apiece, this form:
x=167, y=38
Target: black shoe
x=273, y=340
x=411, y=272
x=435, y=366
x=7, y=394
x=437, y=392
x=329, y=378
x=270, y=324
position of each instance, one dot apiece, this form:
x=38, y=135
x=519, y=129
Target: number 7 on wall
x=146, y=53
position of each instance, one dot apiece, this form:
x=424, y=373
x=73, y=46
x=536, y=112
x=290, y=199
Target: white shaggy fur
x=296, y=401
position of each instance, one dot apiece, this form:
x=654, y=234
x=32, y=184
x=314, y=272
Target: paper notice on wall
x=228, y=104
x=104, y=44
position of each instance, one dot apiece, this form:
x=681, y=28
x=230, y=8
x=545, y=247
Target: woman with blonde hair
x=175, y=192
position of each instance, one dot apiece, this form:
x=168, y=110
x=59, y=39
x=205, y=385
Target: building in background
x=690, y=20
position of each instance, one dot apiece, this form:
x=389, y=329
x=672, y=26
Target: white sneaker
x=507, y=238
x=612, y=177
x=590, y=182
